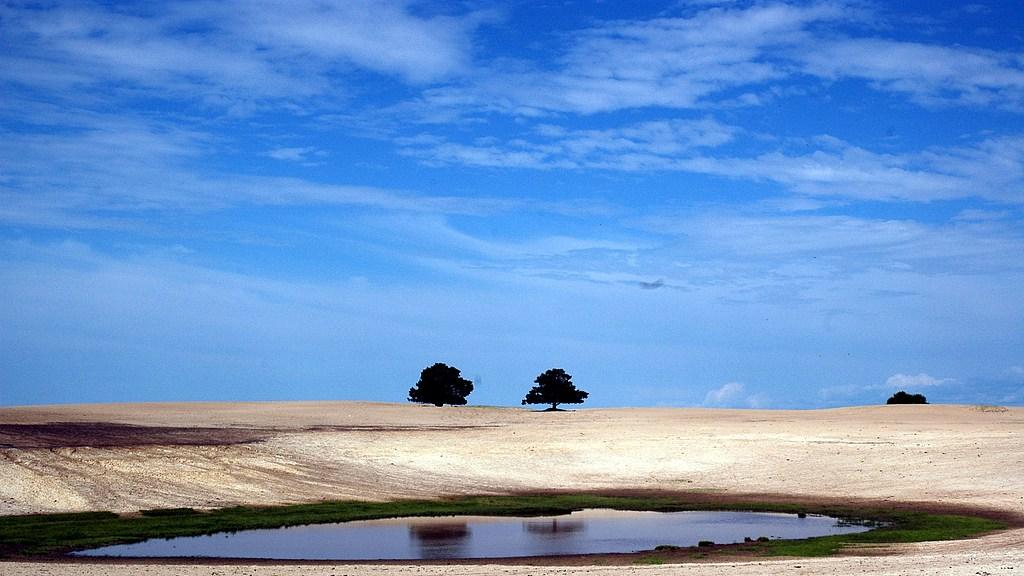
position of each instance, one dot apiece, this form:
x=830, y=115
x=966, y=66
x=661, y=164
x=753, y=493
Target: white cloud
x=734, y=394
x=726, y=394
x=911, y=381
x=379, y=35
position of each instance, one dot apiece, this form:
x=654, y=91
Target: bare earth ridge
x=125, y=457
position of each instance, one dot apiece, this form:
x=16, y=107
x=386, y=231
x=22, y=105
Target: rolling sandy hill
x=128, y=457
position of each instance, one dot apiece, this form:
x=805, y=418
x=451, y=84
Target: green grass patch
x=900, y=527
x=61, y=533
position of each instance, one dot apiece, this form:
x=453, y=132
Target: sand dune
x=291, y=452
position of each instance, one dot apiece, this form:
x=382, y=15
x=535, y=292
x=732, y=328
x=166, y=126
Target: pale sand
x=943, y=454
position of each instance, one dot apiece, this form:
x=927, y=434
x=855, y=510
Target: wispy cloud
x=992, y=168
x=906, y=382
x=98, y=170
x=303, y=154
x=666, y=62
x=732, y=55
x=645, y=145
x=929, y=74
x=772, y=245
x=243, y=55
x=430, y=235
x=226, y=54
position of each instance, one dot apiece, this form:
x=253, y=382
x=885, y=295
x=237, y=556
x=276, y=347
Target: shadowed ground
x=108, y=435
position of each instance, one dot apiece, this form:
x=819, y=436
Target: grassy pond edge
x=54, y=535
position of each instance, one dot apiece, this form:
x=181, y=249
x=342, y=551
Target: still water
x=582, y=532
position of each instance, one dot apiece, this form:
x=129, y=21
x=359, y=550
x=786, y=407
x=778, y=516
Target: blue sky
x=707, y=203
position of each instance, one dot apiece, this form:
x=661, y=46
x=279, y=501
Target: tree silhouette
x=441, y=384
x=902, y=397
x=554, y=387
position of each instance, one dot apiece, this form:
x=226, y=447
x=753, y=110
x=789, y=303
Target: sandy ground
x=290, y=452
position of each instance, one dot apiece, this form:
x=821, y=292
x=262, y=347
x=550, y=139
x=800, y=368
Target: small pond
x=451, y=537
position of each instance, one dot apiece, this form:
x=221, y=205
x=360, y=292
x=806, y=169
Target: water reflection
x=584, y=532
x=440, y=540
x=554, y=526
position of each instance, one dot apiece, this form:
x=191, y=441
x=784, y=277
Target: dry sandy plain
x=292, y=452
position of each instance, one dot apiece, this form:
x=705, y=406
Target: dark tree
x=902, y=397
x=441, y=384
x=554, y=387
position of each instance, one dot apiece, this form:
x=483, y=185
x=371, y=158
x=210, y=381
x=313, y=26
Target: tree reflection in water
x=554, y=526
x=440, y=540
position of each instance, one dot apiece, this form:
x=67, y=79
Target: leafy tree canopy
x=555, y=387
x=902, y=397
x=441, y=384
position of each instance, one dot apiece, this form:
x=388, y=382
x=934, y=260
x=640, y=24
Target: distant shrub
x=705, y=543
x=666, y=547
x=902, y=397
x=762, y=539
